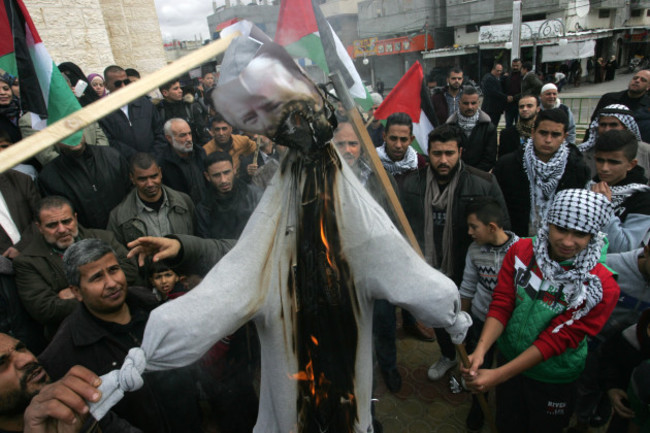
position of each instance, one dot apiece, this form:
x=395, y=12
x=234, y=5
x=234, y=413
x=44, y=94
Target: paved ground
x=421, y=406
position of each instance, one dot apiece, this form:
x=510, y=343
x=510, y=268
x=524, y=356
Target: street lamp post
x=547, y=29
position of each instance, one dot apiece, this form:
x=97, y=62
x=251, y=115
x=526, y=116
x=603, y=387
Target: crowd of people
x=532, y=224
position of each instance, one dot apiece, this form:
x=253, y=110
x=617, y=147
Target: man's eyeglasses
x=120, y=83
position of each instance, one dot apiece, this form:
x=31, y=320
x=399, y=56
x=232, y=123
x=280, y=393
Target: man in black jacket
x=30, y=402
x=94, y=178
x=136, y=127
x=494, y=98
x=446, y=101
x=182, y=160
x=480, y=141
x=548, y=163
x=40, y=278
x=435, y=199
x=229, y=203
x=175, y=104
x=636, y=98
x=109, y=321
x=515, y=136
x=512, y=87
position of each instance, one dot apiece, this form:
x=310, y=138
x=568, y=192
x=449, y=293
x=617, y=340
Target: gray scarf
x=468, y=123
x=408, y=163
x=543, y=179
x=433, y=198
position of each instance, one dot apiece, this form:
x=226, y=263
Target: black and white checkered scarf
x=408, y=163
x=622, y=113
x=468, y=123
x=585, y=211
x=622, y=193
x=543, y=178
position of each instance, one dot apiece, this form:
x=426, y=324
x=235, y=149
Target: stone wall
x=97, y=33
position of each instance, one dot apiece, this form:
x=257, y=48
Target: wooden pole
x=359, y=128
x=91, y=113
x=369, y=149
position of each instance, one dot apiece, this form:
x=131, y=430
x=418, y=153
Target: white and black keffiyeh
x=543, y=178
x=467, y=123
x=585, y=211
x=622, y=113
x=408, y=163
x=621, y=193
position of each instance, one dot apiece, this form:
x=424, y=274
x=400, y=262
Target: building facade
x=98, y=33
x=588, y=29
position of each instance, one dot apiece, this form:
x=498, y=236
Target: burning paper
x=316, y=253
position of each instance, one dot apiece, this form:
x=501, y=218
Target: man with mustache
x=42, y=285
x=384, y=326
x=108, y=322
x=29, y=402
x=435, y=199
x=151, y=208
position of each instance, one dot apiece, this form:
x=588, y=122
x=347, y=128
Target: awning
x=570, y=51
x=584, y=35
x=449, y=52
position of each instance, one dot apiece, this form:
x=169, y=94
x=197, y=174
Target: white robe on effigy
x=252, y=283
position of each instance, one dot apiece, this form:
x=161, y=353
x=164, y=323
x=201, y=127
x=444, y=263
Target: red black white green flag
x=411, y=96
x=43, y=90
x=303, y=30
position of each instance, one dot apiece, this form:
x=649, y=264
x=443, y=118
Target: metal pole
x=535, y=52
x=515, y=53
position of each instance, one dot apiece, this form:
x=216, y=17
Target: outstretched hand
x=159, y=248
x=61, y=407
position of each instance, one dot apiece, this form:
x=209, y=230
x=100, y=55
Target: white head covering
x=548, y=86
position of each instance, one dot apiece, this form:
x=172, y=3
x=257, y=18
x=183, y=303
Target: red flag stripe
x=405, y=96
x=295, y=21
x=6, y=38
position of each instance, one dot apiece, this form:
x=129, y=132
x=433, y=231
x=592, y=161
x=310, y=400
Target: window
x=635, y=13
x=533, y=17
x=473, y=28
x=603, y=13
x=647, y=12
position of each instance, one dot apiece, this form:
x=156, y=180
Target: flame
x=327, y=245
x=317, y=389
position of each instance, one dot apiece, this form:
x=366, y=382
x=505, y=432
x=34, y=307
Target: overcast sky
x=186, y=19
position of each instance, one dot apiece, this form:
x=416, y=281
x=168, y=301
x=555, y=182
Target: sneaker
x=437, y=370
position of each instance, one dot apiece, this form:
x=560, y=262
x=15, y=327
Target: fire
x=327, y=245
x=317, y=388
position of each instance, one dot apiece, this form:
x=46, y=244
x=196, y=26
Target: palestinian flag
x=305, y=33
x=411, y=96
x=43, y=90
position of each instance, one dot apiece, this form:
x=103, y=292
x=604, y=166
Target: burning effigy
x=314, y=256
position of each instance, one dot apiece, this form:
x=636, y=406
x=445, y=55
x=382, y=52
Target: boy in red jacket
x=552, y=292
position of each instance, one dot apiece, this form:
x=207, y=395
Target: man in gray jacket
x=150, y=209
